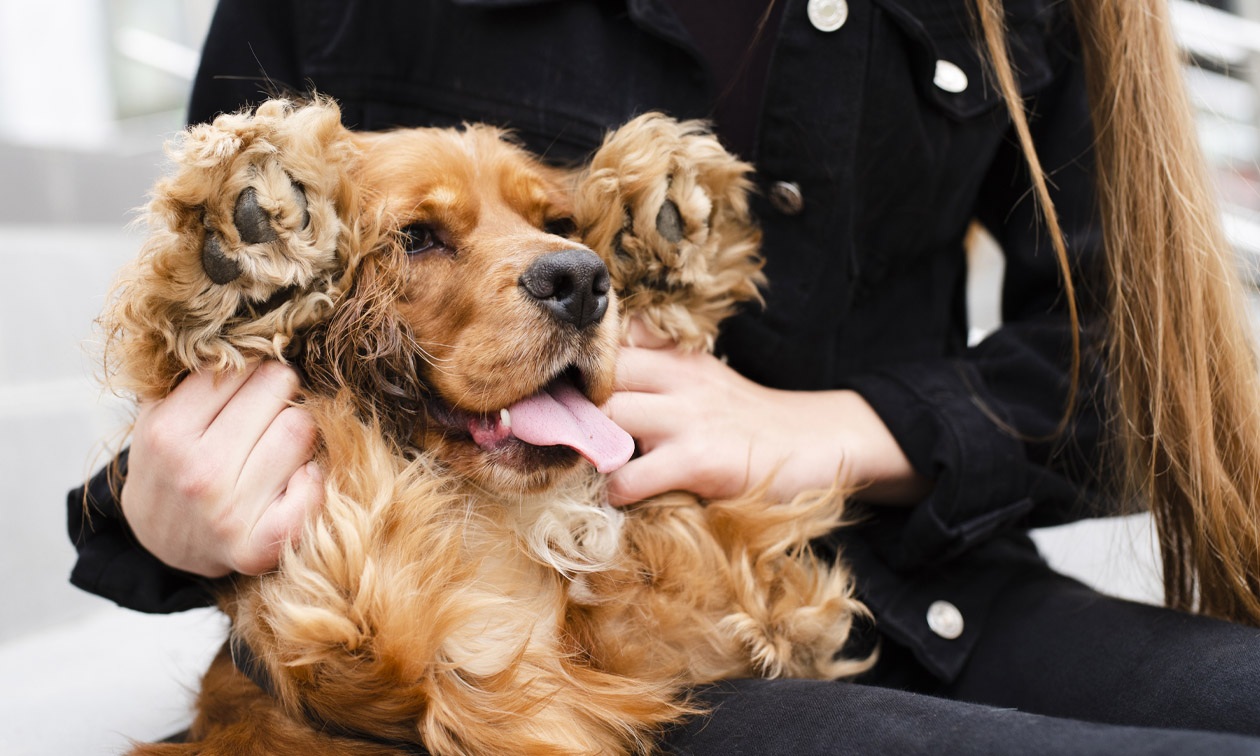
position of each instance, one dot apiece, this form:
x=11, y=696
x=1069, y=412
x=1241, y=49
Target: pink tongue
x=560, y=415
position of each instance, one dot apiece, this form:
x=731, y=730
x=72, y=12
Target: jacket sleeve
x=982, y=424
x=248, y=56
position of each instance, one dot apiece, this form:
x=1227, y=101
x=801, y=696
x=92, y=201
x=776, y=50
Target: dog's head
x=434, y=275
x=479, y=329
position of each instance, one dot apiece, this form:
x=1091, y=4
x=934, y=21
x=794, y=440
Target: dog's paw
x=265, y=187
x=249, y=244
x=666, y=207
x=256, y=218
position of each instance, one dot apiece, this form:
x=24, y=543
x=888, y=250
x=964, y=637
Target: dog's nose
x=571, y=284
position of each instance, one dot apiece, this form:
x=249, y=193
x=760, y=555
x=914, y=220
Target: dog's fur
x=478, y=602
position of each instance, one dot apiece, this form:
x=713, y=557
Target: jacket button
x=786, y=197
x=945, y=620
x=827, y=15
x=949, y=77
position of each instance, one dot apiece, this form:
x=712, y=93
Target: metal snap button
x=949, y=77
x=945, y=620
x=827, y=15
x=786, y=197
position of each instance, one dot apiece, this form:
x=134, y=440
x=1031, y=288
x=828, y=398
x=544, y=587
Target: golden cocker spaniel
x=455, y=307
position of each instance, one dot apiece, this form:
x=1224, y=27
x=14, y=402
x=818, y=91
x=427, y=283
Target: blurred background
x=89, y=90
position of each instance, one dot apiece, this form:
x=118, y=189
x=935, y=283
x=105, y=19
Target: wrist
x=839, y=432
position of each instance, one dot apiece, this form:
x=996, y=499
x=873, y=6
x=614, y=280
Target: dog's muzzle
x=572, y=285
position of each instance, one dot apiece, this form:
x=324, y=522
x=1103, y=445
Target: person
x=880, y=129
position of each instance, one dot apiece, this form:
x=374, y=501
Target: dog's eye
x=565, y=227
x=418, y=238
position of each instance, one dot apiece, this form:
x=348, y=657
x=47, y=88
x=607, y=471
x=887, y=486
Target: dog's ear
x=368, y=349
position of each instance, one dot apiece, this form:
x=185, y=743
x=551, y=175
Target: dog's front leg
x=666, y=208
x=248, y=245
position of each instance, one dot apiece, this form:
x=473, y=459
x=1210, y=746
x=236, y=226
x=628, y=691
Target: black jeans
x=805, y=717
x=1059, y=669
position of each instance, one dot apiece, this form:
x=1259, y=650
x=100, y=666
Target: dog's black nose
x=572, y=285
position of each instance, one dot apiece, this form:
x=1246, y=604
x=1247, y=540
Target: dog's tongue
x=560, y=415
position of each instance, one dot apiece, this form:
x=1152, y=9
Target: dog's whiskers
x=431, y=362
x=431, y=359
x=434, y=343
x=421, y=346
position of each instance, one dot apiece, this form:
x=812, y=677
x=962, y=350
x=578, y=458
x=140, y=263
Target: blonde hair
x=1181, y=368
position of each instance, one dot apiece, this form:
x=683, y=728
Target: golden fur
x=218, y=326
x=683, y=288
x=476, y=601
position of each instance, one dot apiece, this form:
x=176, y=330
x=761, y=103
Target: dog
x=455, y=307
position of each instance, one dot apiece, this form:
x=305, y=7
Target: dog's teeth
x=505, y=419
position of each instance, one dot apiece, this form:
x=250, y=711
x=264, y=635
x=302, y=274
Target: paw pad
x=218, y=266
x=254, y=225
x=252, y=222
x=669, y=222
x=249, y=247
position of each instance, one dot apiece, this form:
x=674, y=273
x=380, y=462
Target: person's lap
x=806, y=717
x=1054, y=646
x=1058, y=669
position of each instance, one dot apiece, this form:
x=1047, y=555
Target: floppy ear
x=367, y=348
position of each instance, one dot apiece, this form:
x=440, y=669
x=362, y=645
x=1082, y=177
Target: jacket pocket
x=950, y=59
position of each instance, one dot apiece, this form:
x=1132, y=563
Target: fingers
x=649, y=370
x=281, y=522
x=198, y=399
x=285, y=447
x=251, y=411
x=653, y=473
x=218, y=478
x=647, y=417
x=642, y=336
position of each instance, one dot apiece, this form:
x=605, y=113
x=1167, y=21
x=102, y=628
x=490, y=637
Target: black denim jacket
x=867, y=277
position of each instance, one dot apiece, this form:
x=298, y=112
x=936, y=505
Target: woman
x=880, y=129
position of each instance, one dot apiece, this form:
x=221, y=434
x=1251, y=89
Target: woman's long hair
x=1181, y=368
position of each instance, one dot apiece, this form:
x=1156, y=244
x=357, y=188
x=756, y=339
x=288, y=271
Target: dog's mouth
x=559, y=416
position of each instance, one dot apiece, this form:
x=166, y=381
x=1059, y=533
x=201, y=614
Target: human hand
x=704, y=428
x=219, y=476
